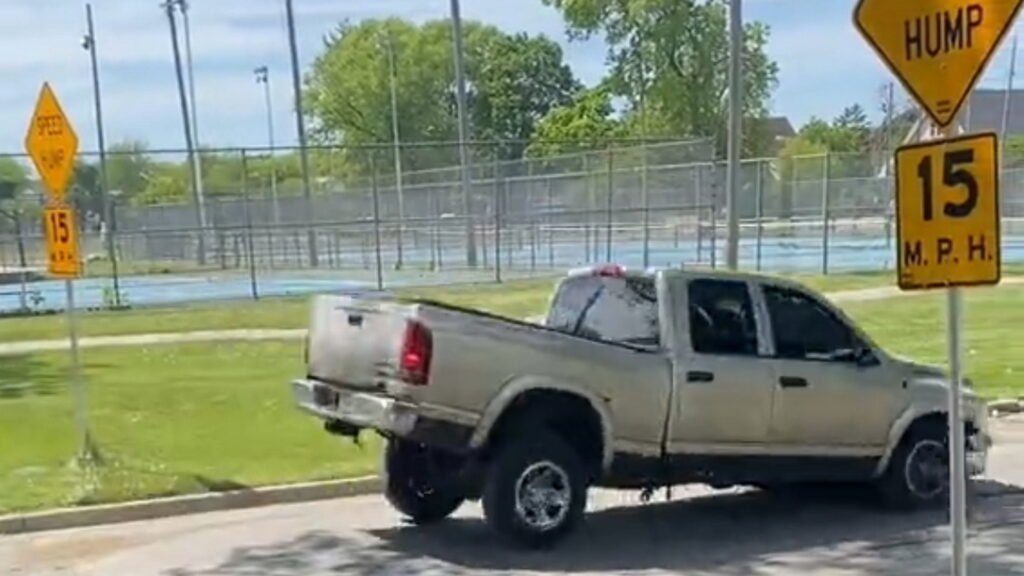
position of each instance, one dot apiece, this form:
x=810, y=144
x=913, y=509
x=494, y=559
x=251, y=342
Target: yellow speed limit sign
x=947, y=211
x=62, y=243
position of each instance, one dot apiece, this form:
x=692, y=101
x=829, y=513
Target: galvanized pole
x=759, y=191
x=958, y=475
x=611, y=187
x=183, y=5
x=397, y=142
x=735, y=144
x=189, y=144
x=248, y=227
x=263, y=77
x=825, y=213
x=376, y=219
x=499, y=211
x=300, y=128
x=89, y=43
x=461, y=107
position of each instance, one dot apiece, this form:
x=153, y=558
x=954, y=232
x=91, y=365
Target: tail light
x=417, y=349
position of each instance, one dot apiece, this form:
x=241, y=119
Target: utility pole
x=1007, y=102
x=300, y=128
x=397, y=140
x=263, y=77
x=168, y=6
x=183, y=6
x=464, y=161
x=735, y=143
x=89, y=43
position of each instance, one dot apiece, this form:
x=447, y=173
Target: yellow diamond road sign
x=52, y=144
x=937, y=48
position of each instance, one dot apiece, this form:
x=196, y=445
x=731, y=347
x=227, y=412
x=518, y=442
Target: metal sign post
x=52, y=144
x=947, y=190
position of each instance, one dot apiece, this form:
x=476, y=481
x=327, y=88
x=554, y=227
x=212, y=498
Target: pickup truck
x=634, y=380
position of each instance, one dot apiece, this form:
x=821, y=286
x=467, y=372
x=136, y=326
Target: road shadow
x=742, y=534
x=26, y=375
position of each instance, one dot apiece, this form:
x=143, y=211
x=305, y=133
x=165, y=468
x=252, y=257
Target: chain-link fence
x=369, y=221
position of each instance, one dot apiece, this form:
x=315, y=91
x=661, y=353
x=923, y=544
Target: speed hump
x=947, y=212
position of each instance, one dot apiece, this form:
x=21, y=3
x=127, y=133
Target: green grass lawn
x=169, y=420
x=174, y=419
x=517, y=298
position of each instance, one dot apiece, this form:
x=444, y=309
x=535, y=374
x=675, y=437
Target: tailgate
x=352, y=340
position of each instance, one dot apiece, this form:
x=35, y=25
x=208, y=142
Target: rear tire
x=416, y=483
x=918, y=472
x=536, y=490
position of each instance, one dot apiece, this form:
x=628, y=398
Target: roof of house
x=984, y=111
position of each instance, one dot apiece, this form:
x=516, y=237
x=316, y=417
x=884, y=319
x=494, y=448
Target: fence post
x=699, y=197
x=376, y=218
x=611, y=186
x=498, y=212
x=550, y=223
x=248, y=227
x=759, y=190
x=714, y=219
x=824, y=214
x=591, y=205
x=504, y=199
x=533, y=218
x=645, y=200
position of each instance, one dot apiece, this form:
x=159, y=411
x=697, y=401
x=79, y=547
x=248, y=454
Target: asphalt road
x=741, y=533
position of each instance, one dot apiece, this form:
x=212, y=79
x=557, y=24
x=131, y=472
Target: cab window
x=721, y=317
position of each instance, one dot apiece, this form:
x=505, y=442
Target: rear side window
x=722, y=318
x=623, y=310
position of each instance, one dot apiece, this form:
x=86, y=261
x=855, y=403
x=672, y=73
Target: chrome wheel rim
x=927, y=469
x=543, y=496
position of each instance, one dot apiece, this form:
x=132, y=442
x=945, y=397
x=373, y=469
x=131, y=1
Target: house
x=775, y=130
x=984, y=110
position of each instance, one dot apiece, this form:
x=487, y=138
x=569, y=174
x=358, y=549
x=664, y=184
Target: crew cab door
x=832, y=389
x=723, y=384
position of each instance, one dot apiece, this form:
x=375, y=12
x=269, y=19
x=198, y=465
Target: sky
x=824, y=64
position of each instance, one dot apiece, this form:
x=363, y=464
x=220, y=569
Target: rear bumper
x=391, y=417
x=359, y=409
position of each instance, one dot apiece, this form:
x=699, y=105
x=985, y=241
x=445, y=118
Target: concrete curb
x=182, y=505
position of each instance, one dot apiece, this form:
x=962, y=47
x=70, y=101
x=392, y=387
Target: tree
x=14, y=181
x=513, y=82
x=792, y=170
x=684, y=45
x=128, y=168
x=585, y=124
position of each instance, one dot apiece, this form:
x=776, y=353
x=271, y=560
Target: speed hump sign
x=947, y=206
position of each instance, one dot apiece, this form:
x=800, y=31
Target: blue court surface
x=776, y=255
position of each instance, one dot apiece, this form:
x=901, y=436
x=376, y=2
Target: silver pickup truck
x=635, y=381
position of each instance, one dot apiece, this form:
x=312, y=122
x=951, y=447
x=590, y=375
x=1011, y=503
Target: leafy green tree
x=128, y=167
x=586, y=124
x=513, y=82
x=14, y=181
x=682, y=45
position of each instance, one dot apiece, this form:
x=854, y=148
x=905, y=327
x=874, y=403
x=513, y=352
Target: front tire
x=918, y=473
x=536, y=490
x=416, y=483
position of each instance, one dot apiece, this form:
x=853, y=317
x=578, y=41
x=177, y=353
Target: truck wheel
x=415, y=483
x=536, y=490
x=918, y=473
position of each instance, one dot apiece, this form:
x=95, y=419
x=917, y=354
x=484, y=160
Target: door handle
x=793, y=382
x=698, y=376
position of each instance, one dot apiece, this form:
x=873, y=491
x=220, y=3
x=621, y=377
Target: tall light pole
x=300, y=128
x=397, y=141
x=735, y=143
x=183, y=6
x=168, y=6
x=89, y=44
x=263, y=77
x=460, y=103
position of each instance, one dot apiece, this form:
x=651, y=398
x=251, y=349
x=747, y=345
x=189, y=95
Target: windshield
x=623, y=310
